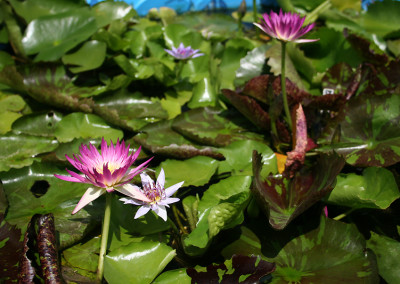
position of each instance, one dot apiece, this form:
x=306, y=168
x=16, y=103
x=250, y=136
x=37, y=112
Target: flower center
x=112, y=166
x=154, y=192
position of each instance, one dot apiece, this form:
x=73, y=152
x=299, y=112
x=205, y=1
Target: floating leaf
x=17, y=151
x=80, y=125
x=10, y=108
x=369, y=132
x=386, y=250
x=144, y=261
x=283, y=198
x=90, y=56
x=160, y=139
x=53, y=35
x=130, y=110
x=198, y=171
x=35, y=190
x=220, y=208
x=333, y=253
x=34, y=9
x=239, y=269
x=376, y=188
x=173, y=276
x=210, y=126
x=38, y=124
x=251, y=65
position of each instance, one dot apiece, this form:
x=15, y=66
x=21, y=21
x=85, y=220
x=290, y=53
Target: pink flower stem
x=104, y=238
x=283, y=85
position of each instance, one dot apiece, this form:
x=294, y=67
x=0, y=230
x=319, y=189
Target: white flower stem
x=283, y=85
x=104, y=238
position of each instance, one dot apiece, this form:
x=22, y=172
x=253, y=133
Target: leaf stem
x=255, y=19
x=283, y=85
x=345, y=214
x=104, y=238
x=176, y=214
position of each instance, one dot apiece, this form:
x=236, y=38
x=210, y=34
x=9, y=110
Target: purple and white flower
x=285, y=26
x=158, y=197
x=106, y=172
x=183, y=52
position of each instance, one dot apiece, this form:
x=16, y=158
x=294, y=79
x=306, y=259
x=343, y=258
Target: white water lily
x=159, y=197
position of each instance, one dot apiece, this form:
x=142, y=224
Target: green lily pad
x=173, y=276
x=53, y=35
x=90, y=56
x=333, y=253
x=34, y=9
x=160, y=139
x=251, y=65
x=283, y=198
x=386, y=250
x=106, y=12
x=137, y=262
x=198, y=171
x=204, y=94
x=376, y=188
x=128, y=109
x=82, y=260
x=38, y=124
x=369, y=132
x=10, y=108
x=34, y=190
x=80, y=125
x=17, y=151
x=273, y=56
x=220, y=208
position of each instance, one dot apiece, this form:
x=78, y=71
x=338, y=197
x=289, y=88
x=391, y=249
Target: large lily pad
x=160, y=139
x=213, y=127
x=137, y=262
x=333, y=253
x=239, y=269
x=369, y=132
x=35, y=190
x=220, y=208
x=386, y=250
x=53, y=35
x=80, y=125
x=283, y=198
x=17, y=151
x=376, y=188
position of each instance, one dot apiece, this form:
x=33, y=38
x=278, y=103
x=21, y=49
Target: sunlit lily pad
x=53, y=35
x=376, y=188
x=80, y=125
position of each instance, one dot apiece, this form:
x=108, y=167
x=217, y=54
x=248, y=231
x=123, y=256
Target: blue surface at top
x=181, y=6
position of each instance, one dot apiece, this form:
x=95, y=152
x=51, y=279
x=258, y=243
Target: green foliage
x=71, y=74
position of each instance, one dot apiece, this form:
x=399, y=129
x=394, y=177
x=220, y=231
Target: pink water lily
x=158, y=196
x=285, y=26
x=183, y=52
x=106, y=172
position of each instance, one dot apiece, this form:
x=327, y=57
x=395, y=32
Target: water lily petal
x=91, y=194
x=162, y=212
x=142, y=210
x=173, y=188
x=132, y=191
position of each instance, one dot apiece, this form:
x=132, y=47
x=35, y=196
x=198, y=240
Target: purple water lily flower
x=285, y=26
x=183, y=52
x=107, y=171
x=159, y=198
